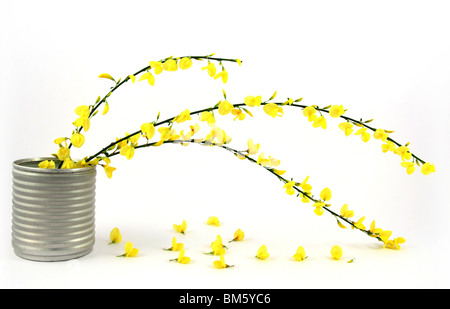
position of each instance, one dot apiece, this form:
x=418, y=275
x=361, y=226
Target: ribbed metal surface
x=53, y=216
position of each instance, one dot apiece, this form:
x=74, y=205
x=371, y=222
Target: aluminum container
x=53, y=211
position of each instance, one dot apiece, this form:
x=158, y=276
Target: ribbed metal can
x=53, y=211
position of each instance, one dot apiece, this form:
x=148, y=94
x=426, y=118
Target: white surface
x=385, y=60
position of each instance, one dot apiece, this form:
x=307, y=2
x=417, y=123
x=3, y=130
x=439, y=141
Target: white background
x=387, y=60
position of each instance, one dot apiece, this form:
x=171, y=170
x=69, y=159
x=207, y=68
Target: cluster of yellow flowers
x=216, y=136
x=217, y=246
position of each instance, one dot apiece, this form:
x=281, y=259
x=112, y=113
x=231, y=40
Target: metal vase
x=53, y=211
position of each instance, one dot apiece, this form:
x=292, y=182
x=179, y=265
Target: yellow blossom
x=325, y=194
x=365, y=136
x=394, y=244
x=77, y=140
x=68, y=164
x=115, y=236
x=149, y=77
x=185, y=63
x=310, y=112
x=83, y=111
x=225, y=107
x=63, y=153
x=175, y=246
x=404, y=153
x=252, y=101
x=336, y=252
x=127, y=151
x=347, y=127
x=217, y=246
x=320, y=122
x=208, y=117
x=129, y=250
x=182, y=259
x=271, y=162
x=359, y=224
x=428, y=168
x=389, y=146
x=221, y=263
x=273, y=110
x=238, y=235
x=252, y=148
x=306, y=188
x=109, y=170
x=148, y=130
x=336, y=111
x=158, y=66
x=318, y=208
x=132, y=77
x=59, y=140
x=410, y=167
x=183, y=116
x=223, y=74
x=373, y=230
x=211, y=68
x=289, y=187
x=180, y=228
x=380, y=134
x=238, y=113
x=170, y=65
x=278, y=172
x=384, y=235
x=300, y=254
x=47, y=164
x=262, y=253
x=213, y=221
x=106, y=75
x=345, y=213
x=106, y=109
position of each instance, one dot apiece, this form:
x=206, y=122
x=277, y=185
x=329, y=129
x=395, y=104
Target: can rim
x=18, y=164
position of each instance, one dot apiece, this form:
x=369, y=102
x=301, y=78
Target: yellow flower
x=225, y=107
x=208, y=117
x=320, y=122
x=158, y=66
x=185, y=63
x=358, y=224
x=175, y=246
x=68, y=164
x=271, y=162
x=63, y=153
x=262, y=253
x=380, y=134
x=115, y=236
x=82, y=111
x=395, y=243
x=389, y=146
x=148, y=130
x=180, y=228
x=109, y=170
x=289, y=187
x=403, y=152
x=252, y=148
x=217, y=246
x=306, y=188
x=336, y=252
x=149, y=77
x=310, y=112
x=325, y=194
x=47, y=164
x=347, y=127
x=278, y=172
x=375, y=231
x=273, y=110
x=213, y=221
x=428, y=168
x=300, y=255
x=183, y=259
x=345, y=213
x=129, y=250
x=106, y=109
x=106, y=75
x=223, y=74
x=221, y=263
x=132, y=77
x=77, y=140
x=336, y=111
x=183, y=116
x=318, y=208
x=238, y=235
x=365, y=136
x=211, y=68
x=127, y=151
x=170, y=65
x=410, y=167
x=238, y=113
x=252, y=101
